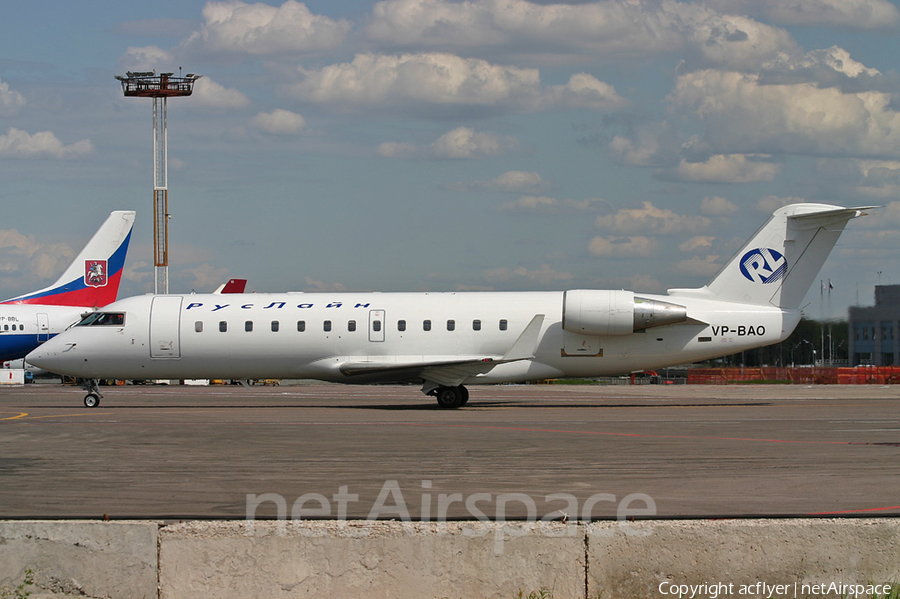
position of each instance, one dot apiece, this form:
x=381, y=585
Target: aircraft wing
x=447, y=373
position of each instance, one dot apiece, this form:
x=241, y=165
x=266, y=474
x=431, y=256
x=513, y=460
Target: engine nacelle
x=615, y=312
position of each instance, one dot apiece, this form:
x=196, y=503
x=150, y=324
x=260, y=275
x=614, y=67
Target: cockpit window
x=103, y=319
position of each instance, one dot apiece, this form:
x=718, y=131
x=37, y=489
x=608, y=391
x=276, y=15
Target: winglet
x=526, y=344
x=232, y=286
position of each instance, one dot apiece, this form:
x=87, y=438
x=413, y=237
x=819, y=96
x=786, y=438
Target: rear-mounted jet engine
x=615, y=312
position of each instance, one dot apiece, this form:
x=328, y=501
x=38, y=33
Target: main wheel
x=91, y=400
x=450, y=398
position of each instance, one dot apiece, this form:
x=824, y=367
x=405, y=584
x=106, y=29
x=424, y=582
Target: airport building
x=875, y=330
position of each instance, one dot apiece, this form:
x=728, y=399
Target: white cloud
x=639, y=152
x=879, y=178
x=433, y=23
x=518, y=180
x=209, y=94
x=862, y=14
x=770, y=204
x=584, y=91
x=579, y=31
x=512, y=181
x=462, y=142
x=395, y=149
x=728, y=168
x=202, y=277
x=465, y=142
x=549, y=205
x=701, y=242
x=259, y=29
x=648, y=219
x=146, y=58
x=717, y=206
x=706, y=266
x=316, y=285
x=623, y=247
x=10, y=100
x=732, y=42
x=26, y=263
x=825, y=68
x=21, y=144
x=598, y=28
x=543, y=275
x=279, y=122
x=744, y=116
x=440, y=79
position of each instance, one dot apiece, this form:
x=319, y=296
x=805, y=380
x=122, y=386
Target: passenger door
x=165, y=327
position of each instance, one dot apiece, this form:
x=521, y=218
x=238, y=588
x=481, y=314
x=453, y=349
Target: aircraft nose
x=53, y=356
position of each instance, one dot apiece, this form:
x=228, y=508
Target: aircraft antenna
x=160, y=87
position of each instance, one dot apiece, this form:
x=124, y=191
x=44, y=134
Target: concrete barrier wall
x=453, y=560
x=79, y=559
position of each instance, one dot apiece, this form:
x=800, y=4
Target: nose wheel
x=92, y=386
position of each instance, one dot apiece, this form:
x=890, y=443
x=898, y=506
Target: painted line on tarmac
x=67, y=415
x=638, y=435
x=20, y=415
x=465, y=426
x=871, y=509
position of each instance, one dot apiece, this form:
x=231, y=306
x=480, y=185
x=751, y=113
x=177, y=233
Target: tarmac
x=315, y=451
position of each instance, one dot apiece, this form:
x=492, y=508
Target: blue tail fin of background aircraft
x=93, y=277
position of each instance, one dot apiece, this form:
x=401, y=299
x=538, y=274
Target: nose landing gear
x=92, y=386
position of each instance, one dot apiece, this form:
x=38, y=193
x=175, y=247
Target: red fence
x=860, y=375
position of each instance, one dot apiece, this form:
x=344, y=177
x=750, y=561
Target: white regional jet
x=90, y=281
x=445, y=341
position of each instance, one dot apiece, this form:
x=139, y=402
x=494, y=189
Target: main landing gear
x=92, y=386
x=451, y=398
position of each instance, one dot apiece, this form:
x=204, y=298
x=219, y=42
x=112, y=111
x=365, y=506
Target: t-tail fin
x=93, y=278
x=779, y=263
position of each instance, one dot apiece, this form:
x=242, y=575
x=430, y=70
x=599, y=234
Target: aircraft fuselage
x=300, y=335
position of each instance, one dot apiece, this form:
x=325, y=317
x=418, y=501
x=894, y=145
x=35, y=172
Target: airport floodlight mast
x=159, y=87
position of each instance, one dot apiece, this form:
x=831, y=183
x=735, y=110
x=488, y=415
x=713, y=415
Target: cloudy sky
x=452, y=145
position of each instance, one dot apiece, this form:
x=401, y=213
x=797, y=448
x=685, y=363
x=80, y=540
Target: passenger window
x=301, y=325
x=426, y=325
x=327, y=326
x=401, y=325
x=351, y=326
x=376, y=326
x=198, y=326
x=223, y=326
x=248, y=326
x=451, y=325
x=476, y=325
x=503, y=325
x=6, y=327
x=275, y=326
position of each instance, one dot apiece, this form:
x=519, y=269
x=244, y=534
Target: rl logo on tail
x=763, y=265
